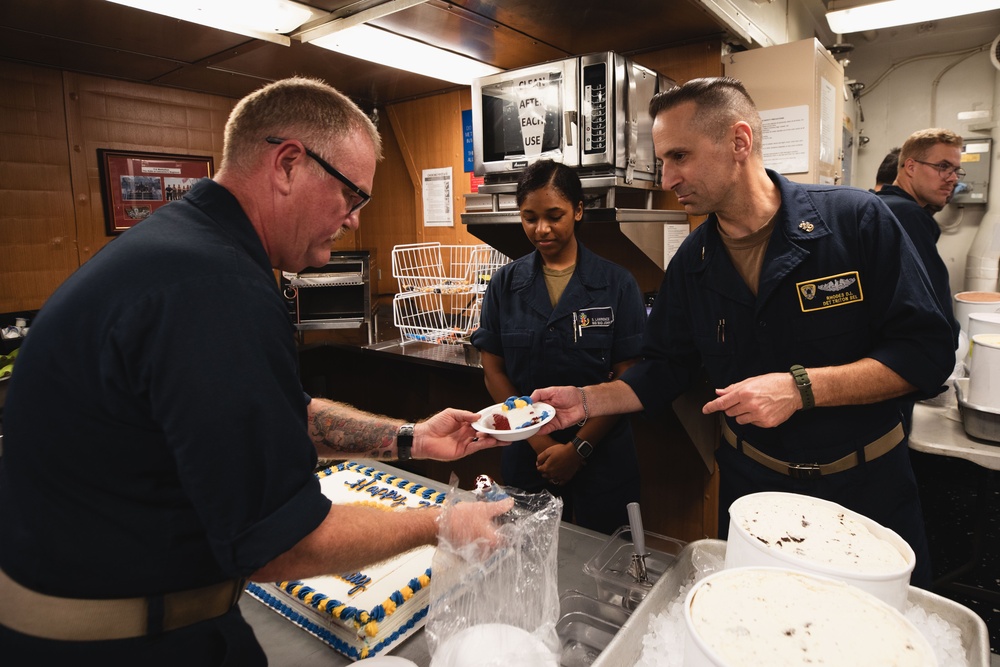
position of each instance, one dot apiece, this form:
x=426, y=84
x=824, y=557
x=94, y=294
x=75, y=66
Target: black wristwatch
x=404, y=442
x=582, y=447
x=805, y=386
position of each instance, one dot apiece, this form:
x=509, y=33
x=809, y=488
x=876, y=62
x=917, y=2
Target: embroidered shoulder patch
x=829, y=292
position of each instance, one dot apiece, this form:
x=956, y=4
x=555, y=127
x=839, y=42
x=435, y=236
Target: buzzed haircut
x=721, y=102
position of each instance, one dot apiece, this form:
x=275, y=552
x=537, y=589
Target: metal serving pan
x=978, y=421
x=626, y=647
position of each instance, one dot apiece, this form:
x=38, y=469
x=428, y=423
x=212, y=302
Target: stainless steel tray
x=978, y=421
x=626, y=647
x=586, y=626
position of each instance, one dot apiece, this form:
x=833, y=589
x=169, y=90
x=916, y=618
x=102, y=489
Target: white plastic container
x=775, y=616
x=975, y=302
x=887, y=582
x=984, y=371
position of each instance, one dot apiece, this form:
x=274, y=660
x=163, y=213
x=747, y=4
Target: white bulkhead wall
x=920, y=76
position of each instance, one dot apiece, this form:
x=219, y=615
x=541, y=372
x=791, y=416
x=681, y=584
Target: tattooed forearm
x=342, y=429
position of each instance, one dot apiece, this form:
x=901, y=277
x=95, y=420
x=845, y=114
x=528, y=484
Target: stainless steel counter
x=287, y=645
x=937, y=429
x=455, y=355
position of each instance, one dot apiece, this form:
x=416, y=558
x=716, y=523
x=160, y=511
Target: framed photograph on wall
x=135, y=184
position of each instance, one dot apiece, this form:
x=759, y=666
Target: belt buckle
x=804, y=470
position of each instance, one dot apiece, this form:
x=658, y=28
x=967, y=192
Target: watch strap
x=582, y=447
x=404, y=442
x=804, y=385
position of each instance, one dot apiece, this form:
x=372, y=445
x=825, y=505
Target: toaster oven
x=337, y=295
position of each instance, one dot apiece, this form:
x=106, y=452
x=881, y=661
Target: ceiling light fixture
x=262, y=19
x=387, y=48
x=847, y=16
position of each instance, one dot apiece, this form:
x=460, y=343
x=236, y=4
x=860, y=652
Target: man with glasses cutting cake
x=159, y=449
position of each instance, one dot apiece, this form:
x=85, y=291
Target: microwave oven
x=589, y=112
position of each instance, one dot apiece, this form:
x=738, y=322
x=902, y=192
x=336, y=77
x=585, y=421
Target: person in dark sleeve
x=564, y=315
x=158, y=447
x=929, y=166
x=807, y=307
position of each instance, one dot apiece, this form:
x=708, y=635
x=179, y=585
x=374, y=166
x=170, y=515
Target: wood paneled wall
x=106, y=113
x=37, y=225
x=51, y=125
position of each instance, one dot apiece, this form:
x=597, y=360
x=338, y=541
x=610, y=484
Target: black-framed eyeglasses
x=328, y=168
x=943, y=168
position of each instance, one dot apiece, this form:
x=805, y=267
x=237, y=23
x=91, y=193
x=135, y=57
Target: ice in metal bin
x=610, y=566
x=586, y=625
x=626, y=647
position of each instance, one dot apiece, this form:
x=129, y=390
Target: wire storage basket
x=441, y=289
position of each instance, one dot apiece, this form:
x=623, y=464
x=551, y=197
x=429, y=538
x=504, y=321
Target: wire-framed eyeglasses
x=364, y=197
x=944, y=169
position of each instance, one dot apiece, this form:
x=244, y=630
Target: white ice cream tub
x=777, y=616
x=876, y=574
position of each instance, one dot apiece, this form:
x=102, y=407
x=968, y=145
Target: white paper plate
x=518, y=417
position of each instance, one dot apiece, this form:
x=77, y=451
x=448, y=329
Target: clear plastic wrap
x=499, y=608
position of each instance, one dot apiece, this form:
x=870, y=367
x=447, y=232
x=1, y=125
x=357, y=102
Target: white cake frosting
x=779, y=618
x=361, y=613
x=815, y=530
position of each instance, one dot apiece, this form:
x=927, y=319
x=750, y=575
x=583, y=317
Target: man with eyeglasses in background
x=158, y=447
x=928, y=168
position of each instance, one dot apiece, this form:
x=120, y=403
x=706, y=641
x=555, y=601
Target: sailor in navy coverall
x=838, y=290
x=588, y=336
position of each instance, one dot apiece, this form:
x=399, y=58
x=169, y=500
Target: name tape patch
x=830, y=292
x=595, y=317
x=592, y=318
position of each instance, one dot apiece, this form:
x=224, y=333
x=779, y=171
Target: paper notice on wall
x=437, y=193
x=673, y=235
x=530, y=95
x=786, y=139
x=827, y=121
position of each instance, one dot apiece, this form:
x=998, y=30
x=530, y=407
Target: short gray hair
x=309, y=110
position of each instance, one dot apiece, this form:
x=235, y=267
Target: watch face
x=584, y=448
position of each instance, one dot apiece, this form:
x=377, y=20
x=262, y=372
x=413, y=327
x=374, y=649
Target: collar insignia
x=806, y=226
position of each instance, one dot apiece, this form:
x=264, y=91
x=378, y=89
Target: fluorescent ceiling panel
x=848, y=16
x=387, y=48
x=262, y=19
